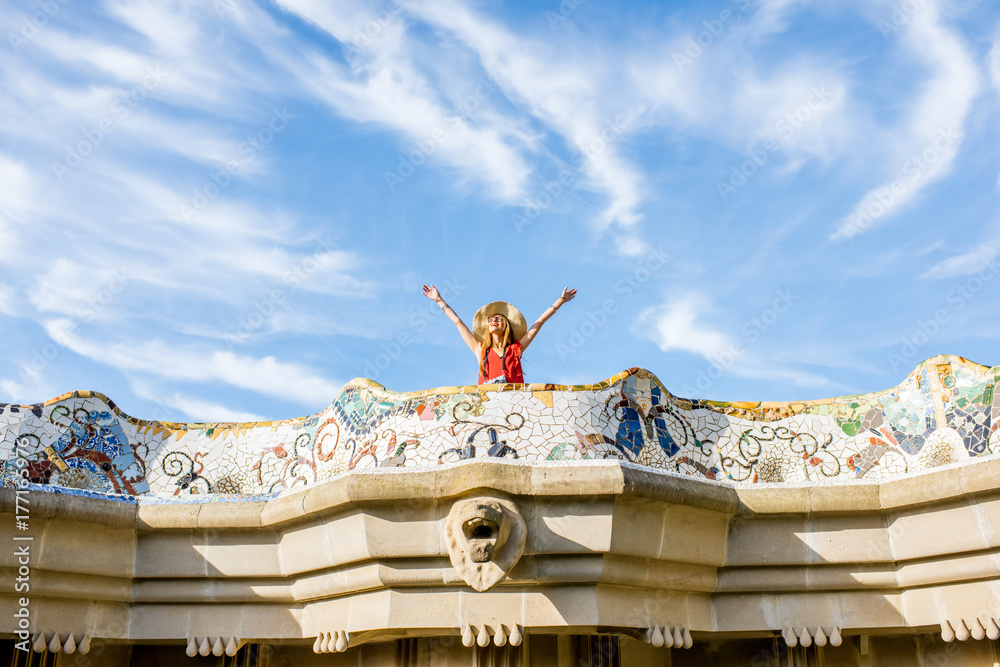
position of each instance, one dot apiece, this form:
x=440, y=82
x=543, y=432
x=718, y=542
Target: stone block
x=692, y=535
x=844, y=498
x=987, y=511
x=859, y=538
x=569, y=525
x=347, y=538
x=504, y=477
x=169, y=554
x=166, y=516
x=599, y=478
x=307, y=546
x=770, y=541
x=230, y=515
x=109, y=550
x=639, y=526
x=935, y=530
x=773, y=500
x=283, y=509
x=397, y=532
x=936, y=485
x=239, y=553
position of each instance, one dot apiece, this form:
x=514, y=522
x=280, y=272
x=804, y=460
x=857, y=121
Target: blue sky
x=225, y=210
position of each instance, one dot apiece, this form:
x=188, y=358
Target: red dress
x=509, y=366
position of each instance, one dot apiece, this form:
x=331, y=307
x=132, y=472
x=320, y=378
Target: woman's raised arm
x=567, y=295
x=431, y=293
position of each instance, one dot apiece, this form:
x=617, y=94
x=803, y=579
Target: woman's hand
x=567, y=295
x=431, y=292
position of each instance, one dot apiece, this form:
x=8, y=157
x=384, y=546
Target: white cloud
x=120, y=62
x=384, y=85
x=266, y=375
x=206, y=411
x=573, y=97
x=18, y=195
x=631, y=246
x=772, y=16
x=675, y=326
x=168, y=25
x=76, y=290
x=9, y=303
x=980, y=259
x=993, y=65
x=932, y=135
x=30, y=388
x=802, y=110
x=196, y=409
x=678, y=326
x=758, y=370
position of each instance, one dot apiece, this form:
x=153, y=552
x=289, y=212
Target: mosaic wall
x=946, y=411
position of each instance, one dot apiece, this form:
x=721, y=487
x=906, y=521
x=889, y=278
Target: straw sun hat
x=480, y=323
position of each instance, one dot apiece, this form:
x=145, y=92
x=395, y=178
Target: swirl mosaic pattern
x=946, y=411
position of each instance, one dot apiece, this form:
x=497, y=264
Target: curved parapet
x=946, y=411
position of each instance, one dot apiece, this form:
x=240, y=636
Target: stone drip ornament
x=485, y=539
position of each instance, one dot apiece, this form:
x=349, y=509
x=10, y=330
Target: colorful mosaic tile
x=946, y=411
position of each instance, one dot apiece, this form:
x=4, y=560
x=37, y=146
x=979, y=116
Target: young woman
x=499, y=335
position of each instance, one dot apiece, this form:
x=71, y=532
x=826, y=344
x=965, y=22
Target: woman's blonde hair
x=487, y=342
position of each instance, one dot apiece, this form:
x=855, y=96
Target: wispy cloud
x=194, y=408
x=383, y=84
x=29, y=387
x=982, y=258
x=267, y=375
x=925, y=147
x=675, y=326
x=680, y=325
x=569, y=94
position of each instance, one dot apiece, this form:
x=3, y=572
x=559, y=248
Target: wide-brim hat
x=480, y=323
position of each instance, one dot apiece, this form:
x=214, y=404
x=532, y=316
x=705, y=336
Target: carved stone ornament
x=485, y=538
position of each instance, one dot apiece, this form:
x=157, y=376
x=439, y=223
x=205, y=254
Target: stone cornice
x=597, y=478
x=638, y=549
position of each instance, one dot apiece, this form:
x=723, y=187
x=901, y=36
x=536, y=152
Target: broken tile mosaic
x=946, y=411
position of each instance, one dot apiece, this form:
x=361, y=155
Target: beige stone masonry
x=363, y=558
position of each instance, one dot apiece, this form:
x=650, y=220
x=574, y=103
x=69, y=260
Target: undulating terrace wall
x=854, y=521
x=947, y=410
x=363, y=559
